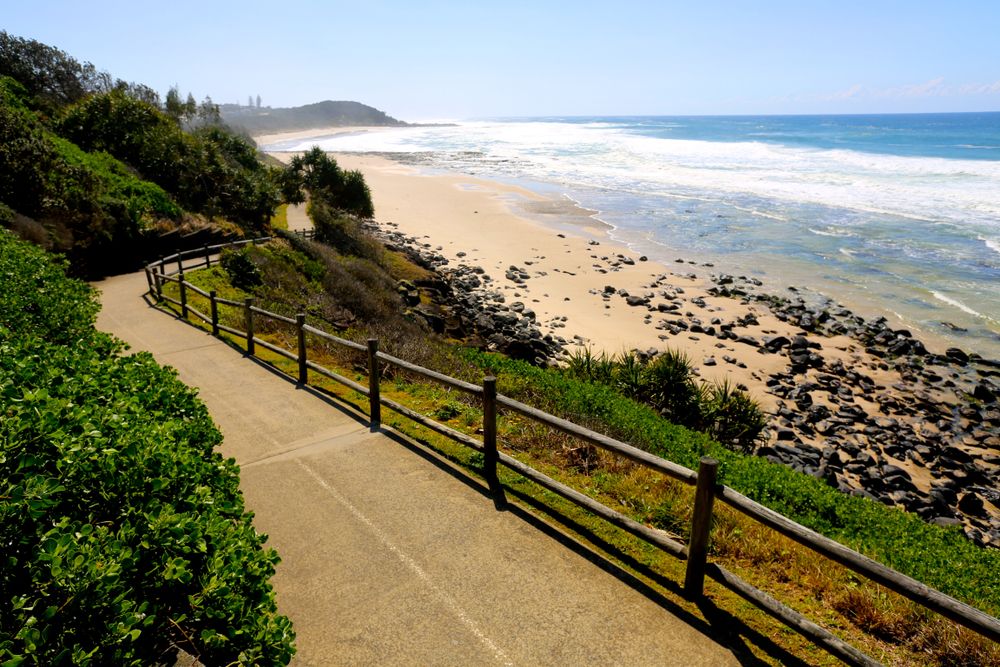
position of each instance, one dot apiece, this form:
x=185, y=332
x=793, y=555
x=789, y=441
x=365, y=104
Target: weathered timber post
x=300, y=323
x=180, y=262
x=208, y=258
x=158, y=283
x=490, y=441
x=374, y=404
x=701, y=524
x=184, y=297
x=215, y=312
x=248, y=317
x=149, y=281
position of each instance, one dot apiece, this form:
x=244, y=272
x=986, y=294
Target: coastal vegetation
x=296, y=275
x=97, y=168
x=100, y=170
x=667, y=383
x=103, y=567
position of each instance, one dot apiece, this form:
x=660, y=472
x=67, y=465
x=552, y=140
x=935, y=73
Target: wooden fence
x=706, y=493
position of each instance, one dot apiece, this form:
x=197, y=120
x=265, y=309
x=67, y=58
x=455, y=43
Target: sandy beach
x=557, y=260
x=301, y=135
x=570, y=262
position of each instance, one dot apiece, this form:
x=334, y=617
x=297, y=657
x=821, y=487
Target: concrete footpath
x=389, y=557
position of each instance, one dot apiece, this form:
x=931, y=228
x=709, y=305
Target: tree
x=319, y=174
x=208, y=112
x=51, y=76
x=258, y=100
x=250, y=101
x=173, y=105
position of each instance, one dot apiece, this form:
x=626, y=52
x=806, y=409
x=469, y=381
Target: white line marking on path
x=449, y=601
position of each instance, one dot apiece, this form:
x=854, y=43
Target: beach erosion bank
x=853, y=401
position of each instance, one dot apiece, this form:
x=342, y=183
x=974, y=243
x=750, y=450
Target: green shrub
x=734, y=419
x=667, y=384
x=342, y=232
x=37, y=299
x=124, y=532
x=243, y=273
x=209, y=171
x=319, y=174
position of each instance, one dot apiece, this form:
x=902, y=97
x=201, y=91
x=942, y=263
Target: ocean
x=890, y=215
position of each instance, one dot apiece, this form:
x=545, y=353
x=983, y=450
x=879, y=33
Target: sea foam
x=888, y=215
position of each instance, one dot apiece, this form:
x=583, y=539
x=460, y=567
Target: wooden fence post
x=184, y=298
x=490, y=441
x=180, y=262
x=374, y=404
x=248, y=318
x=701, y=524
x=215, y=312
x=300, y=322
x=208, y=258
x=149, y=281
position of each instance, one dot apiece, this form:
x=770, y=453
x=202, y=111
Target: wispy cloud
x=936, y=87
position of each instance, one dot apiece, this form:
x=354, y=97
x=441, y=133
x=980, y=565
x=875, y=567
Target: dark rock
x=972, y=504
x=984, y=392
x=957, y=356
x=636, y=300
x=775, y=343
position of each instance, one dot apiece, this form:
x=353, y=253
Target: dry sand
x=316, y=133
x=572, y=263
x=462, y=214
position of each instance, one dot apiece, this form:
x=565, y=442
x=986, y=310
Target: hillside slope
x=258, y=120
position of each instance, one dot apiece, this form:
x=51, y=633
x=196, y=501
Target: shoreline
x=820, y=391
x=316, y=133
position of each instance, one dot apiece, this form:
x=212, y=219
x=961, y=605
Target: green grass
x=822, y=590
x=280, y=218
x=939, y=557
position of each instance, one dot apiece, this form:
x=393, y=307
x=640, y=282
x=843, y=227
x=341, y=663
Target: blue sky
x=437, y=60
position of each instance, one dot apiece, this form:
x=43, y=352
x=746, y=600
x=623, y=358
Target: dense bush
x=323, y=179
x=342, y=231
x=37, y=300
x=54, y=79
x=210, y=171
x=243, y=272
x=124, y=532
x=667, y=383
x=89, y=205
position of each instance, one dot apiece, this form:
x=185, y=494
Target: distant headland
x=259, y=120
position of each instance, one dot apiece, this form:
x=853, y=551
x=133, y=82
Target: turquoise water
x=895, y=215
x=964, y=136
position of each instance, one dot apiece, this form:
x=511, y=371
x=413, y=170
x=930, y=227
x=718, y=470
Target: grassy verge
x=878, y=621
x=280, y=218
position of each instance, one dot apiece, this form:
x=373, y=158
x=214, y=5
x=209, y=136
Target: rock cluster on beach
x=865, y=407
x=464, y=305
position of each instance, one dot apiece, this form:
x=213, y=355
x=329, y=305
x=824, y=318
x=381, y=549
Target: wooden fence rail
x=707, y=490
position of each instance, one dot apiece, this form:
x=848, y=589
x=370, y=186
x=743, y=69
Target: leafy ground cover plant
x=124, y=532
